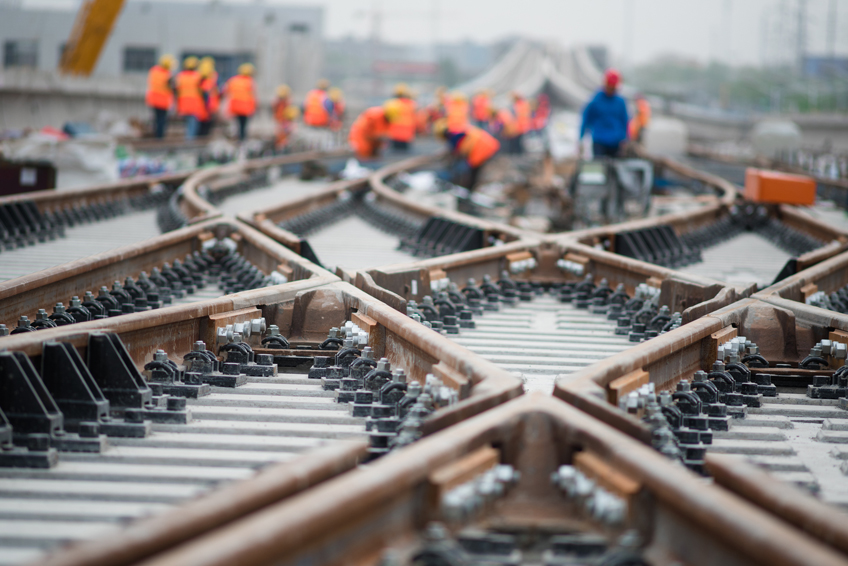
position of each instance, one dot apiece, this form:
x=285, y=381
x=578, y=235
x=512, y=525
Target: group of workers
x=196, y=92
x=474, y=131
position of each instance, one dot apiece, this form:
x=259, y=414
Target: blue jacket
x=606, y=117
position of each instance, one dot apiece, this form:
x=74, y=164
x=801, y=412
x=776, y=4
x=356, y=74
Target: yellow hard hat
x=392, y=108
x=190, y=63
x=401, y=89
x=283, y=91
x=246, y=69
x=166, y=61
x=206, y=66
x=322, y=84
x=458, y=95
x=440, y=128
x=335, y=94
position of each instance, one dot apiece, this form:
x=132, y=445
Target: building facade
x=284, y=42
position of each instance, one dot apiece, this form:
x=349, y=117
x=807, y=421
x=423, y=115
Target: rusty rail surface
x=43, y=289
x=689, y=515
x=49, y=200
x=783, y=329
x=196, y=208
x=147, y=537
x=784, y=333
x=354, y=517
x=304, y=311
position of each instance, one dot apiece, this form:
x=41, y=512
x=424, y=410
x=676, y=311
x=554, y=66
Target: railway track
x=514, y=311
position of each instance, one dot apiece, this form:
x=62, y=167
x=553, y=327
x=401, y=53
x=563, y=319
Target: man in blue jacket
x=606, y=118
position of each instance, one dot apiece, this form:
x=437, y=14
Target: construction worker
x=641, y=120
x=502, y=125
x=160, y=93
x=318, y=107
x=474, y=146
x=400, y=111
x=285, y=113
x=368, y=131
x=456, y=109
x=523, y=115
x=241, y=92
x=336, y=96
x=190, y=103
x=211, y=94
x=481, y=108
x=606, y=118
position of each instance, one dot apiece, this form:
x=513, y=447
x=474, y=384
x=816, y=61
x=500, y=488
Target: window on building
x=139, y=59
x=20, y=53
x=299, y=28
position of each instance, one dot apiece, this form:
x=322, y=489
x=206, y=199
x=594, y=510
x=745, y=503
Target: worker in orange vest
x=190, y=103
x=456, y=109
x=481, y=108
x=285, y=113
x=475, y=146
x=242, y=95
x=211, y=94
x=160, y=93
x=502, y=125
x=640, y=121
x=336, y=97
x=522, y=112
x=368, y=131
x=400, y=111
x=317, y=108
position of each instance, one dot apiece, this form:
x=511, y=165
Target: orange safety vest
x=403, y=127
x=641, y=119
x=457, y=111
x=507, y=122
x=159, y=94
x=478, y=146
x=366, y=131
x=481, y=108
x=189, y=97
x=209, y=85
x=242, y=99
x=522, y=115
x=314, y=112
x=280, y=107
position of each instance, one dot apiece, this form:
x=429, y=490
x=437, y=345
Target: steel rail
x=785, y=330
x=196, y=208
x=354, y=517
x=43, y=289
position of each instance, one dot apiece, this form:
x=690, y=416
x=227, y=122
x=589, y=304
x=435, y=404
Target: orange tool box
x=779, y=188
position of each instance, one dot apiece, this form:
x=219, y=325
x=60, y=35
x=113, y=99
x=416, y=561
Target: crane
x=91, y=29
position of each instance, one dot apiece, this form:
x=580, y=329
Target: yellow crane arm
x=92, y=27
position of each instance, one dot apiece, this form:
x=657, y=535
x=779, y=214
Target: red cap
x=612, y=77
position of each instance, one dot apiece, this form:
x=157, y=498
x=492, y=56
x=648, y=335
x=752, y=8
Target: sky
x=636, y=31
